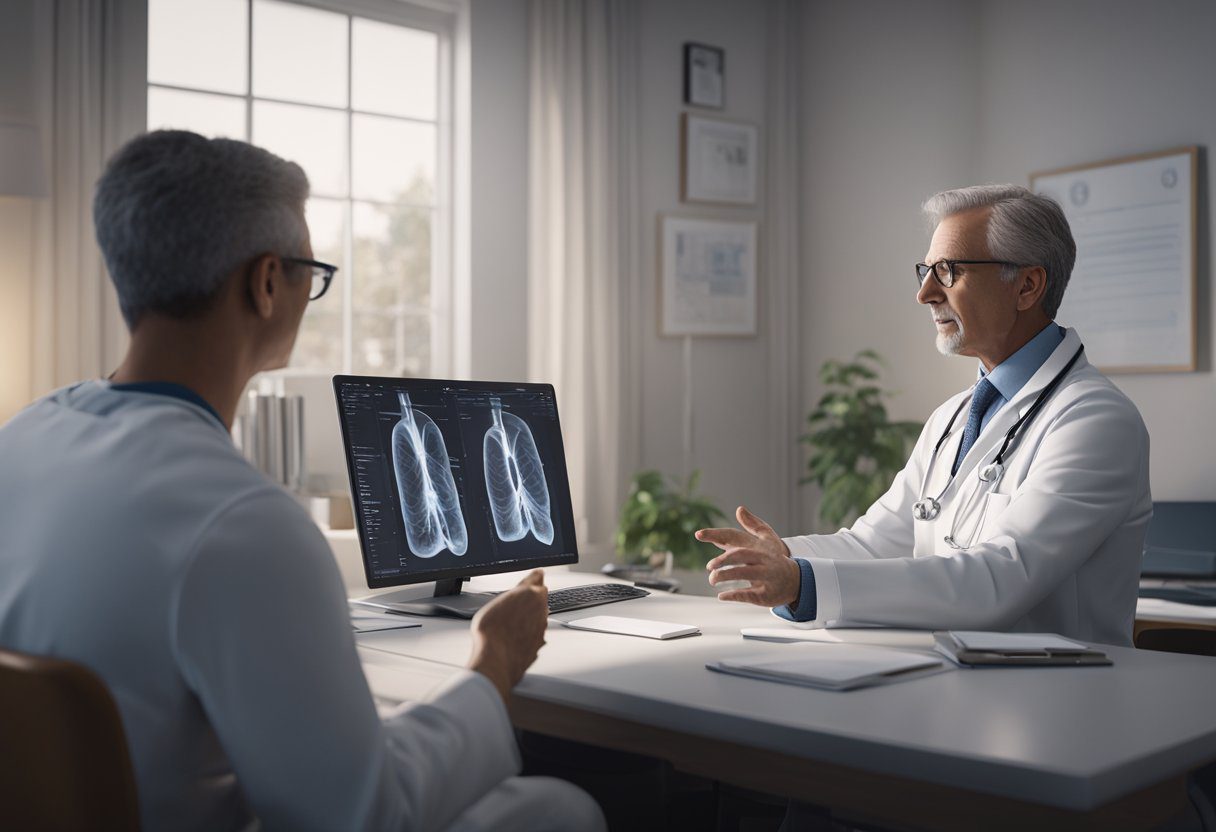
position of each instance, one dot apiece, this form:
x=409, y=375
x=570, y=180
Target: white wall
x=499, y=189
x=1067, y=83
x=888, y=119
x=729, y=379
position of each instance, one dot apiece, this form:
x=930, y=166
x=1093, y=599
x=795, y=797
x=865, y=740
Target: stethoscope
x=928, y=508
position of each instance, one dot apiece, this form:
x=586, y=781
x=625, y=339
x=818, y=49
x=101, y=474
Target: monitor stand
x=448, y=600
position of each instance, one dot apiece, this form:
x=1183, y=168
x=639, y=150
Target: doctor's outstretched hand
x=755, y=554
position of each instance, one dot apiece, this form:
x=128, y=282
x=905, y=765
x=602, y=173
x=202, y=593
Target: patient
x=138, y=542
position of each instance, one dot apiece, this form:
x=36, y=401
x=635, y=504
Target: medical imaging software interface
x=453, y=476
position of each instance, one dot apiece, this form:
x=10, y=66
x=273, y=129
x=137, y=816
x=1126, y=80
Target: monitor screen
x=454, y=478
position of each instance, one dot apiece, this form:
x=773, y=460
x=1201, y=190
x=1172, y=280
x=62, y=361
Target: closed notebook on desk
x=976, y=649
x=828, y=666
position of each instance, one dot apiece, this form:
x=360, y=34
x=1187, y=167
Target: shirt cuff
x=804, y=608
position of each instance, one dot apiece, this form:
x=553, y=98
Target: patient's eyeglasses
x=322, y=274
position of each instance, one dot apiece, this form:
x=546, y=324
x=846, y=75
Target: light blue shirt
x=1011, y=375
x=211, y=606
x=1008, y=377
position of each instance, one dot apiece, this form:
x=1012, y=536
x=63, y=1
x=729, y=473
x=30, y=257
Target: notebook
x=830, y=666
x=973, y=648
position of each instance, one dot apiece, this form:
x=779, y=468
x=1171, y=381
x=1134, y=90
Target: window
x=362, y=104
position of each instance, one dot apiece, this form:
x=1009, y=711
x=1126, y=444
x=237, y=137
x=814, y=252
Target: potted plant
x=856, y=451
x=658, y=521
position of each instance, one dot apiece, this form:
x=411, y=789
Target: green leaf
x=661, y=514
x=854, y=450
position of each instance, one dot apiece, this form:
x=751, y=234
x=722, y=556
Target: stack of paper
x=1172, y=610
x=829, y=666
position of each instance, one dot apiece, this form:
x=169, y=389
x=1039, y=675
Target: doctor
x=1025, y=502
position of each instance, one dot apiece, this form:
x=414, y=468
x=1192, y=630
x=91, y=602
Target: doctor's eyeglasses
x=943, y=270
x=321, y=273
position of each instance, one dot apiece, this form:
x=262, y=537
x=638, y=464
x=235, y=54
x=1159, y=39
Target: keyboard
x=591, y=595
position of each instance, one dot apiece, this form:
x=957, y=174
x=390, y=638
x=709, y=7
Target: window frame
x=447, y=19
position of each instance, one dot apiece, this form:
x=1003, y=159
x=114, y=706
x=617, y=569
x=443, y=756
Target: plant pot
x=661, y=563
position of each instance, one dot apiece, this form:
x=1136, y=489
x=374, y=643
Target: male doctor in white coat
x=988, y=527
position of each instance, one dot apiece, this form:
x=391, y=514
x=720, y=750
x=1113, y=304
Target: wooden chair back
x=63, y=754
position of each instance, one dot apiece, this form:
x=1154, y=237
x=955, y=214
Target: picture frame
x=707, y=277
x=1136, y=304
x=719, y=160
x=704, y=75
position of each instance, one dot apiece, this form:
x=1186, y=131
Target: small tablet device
x=632, y=627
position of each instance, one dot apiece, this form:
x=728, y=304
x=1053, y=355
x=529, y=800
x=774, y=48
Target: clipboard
x=974, y=649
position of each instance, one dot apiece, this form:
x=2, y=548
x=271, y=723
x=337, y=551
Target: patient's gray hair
x=1024, y=227
x=176, y=213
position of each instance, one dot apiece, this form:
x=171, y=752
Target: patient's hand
x=509, y=631
x=755, y=554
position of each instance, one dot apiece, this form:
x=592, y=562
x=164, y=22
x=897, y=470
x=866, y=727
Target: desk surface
x=1073, y=738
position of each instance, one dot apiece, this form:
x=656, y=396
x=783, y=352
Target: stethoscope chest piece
x=991, y=472
x=926, y=509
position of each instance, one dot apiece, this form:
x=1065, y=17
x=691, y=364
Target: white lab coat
x=1057, y=544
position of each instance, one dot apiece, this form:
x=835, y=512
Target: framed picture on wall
x=704, y=75
x=719, y=160
x=707, y=277
x=1133, y=294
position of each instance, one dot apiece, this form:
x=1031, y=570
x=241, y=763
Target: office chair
x=65, y=763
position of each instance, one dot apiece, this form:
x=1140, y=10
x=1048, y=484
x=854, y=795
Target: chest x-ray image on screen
x=430, y=506
x=452, y=479
x=515, y=478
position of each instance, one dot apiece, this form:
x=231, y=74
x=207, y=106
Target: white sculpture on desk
x=515, y=479
x=430, y=505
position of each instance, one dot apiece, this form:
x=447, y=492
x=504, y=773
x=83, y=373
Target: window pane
x=394, y=161
x=210, y=115
x=299, y=54
x=199, y=43
x=390, y=345
x=319, y=344
x=394, y=69
x=327, y=228
x=315, y=139
x=392, y=257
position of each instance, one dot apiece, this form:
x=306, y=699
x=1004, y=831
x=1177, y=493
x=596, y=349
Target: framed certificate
x=1132, y=295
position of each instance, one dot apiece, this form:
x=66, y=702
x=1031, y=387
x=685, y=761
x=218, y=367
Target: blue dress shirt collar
x=1011, y=375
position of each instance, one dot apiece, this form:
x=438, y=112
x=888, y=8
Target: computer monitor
x=452, y=479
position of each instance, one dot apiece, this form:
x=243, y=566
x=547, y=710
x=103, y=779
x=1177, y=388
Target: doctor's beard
x=950, y=343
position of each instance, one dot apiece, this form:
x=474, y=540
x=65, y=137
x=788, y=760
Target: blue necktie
x=981, y=399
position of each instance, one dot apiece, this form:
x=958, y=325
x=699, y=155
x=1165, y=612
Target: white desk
x=1058, y=747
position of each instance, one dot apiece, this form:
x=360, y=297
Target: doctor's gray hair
x=175, y=213
x=1024, y=227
